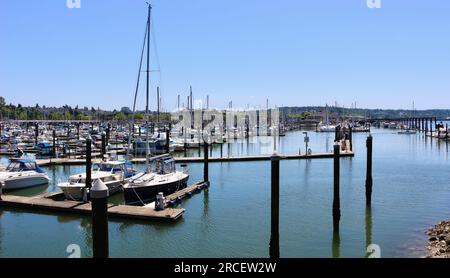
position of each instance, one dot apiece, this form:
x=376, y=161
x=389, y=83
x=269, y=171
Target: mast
x=147, y=149
x=136, y=92
x=157, y=93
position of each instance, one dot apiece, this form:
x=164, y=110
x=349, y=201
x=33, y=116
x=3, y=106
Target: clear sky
x=292, y=52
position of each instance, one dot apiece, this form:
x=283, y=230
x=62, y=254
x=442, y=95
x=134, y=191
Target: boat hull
x=75, y=191
x=147, y=194
x=21, y=182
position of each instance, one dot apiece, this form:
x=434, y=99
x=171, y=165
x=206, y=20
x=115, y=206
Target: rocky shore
x=439, y=240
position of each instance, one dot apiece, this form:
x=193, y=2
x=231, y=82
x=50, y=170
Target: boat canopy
x=24, y=165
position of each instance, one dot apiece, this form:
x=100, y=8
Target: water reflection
x=368, y=229
x=336, y=246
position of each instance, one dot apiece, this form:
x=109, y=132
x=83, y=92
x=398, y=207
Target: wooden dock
x=187, y=192
x=81, y=161
x=252, y=158
x=54, y=203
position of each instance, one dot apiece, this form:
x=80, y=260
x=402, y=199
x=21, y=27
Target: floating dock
x=80, y=161
x=55, y=202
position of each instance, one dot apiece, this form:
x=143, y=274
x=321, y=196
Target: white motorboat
x=327, y=128
x=112, y=173
x=22, y=173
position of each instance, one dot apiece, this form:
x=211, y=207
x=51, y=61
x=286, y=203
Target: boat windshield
x=107, y=168
x=164, y=166
x=20, y=166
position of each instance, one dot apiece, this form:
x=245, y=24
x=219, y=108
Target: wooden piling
x=99, y=201
x=36, y=133
x=369, y=171
x=103, y=143
x=336, y=197
x=54, y=144
x=167, y=140
x=274, y=247
x=350, y=137
x=205, y=163
x=88, y=162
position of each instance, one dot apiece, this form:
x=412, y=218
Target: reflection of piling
x=368, y=228
x=274, y=249
x=369, y=171
x=336, y=197
x=336, y=245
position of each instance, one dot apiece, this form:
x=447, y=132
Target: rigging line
x=136, y=92
x=158, y=64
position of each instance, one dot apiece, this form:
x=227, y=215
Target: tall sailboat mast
x=147, y=149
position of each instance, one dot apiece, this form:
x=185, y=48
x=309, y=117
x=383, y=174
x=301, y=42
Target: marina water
x=411, y=192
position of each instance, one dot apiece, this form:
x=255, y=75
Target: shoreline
x=439, y=240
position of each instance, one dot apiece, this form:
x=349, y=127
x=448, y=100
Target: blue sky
x=292, y=52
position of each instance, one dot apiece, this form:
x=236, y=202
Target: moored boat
x=22, y=173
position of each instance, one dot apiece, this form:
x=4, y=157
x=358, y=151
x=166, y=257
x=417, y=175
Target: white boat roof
x=111, y=162
x=94, y=175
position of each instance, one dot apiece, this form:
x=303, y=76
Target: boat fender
x=189, y=194
x=171, y=203
x=206, y=185
x=179, y=198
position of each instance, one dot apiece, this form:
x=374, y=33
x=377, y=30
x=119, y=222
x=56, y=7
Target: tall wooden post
x=100, y=244
x=369, y=171
x=274, y=247
x=54, y=144
x=205, y=162
x=36, y=133
x=167, y=140
x=336, y=195
x=103, y=144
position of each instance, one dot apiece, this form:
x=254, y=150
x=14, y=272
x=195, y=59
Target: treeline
x=66, y=112
x=441, y=114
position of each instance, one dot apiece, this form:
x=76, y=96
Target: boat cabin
x=115, y=167
x=164, y=165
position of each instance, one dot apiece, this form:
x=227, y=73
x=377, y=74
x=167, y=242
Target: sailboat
x=327, y=127
x=161, y=175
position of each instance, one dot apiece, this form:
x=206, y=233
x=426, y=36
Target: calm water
x=411, y=192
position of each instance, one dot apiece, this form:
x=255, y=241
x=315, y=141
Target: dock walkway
x=76, y=161
x=54, y=203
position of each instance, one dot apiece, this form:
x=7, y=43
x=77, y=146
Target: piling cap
x=275, y=156
x=99, y=190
